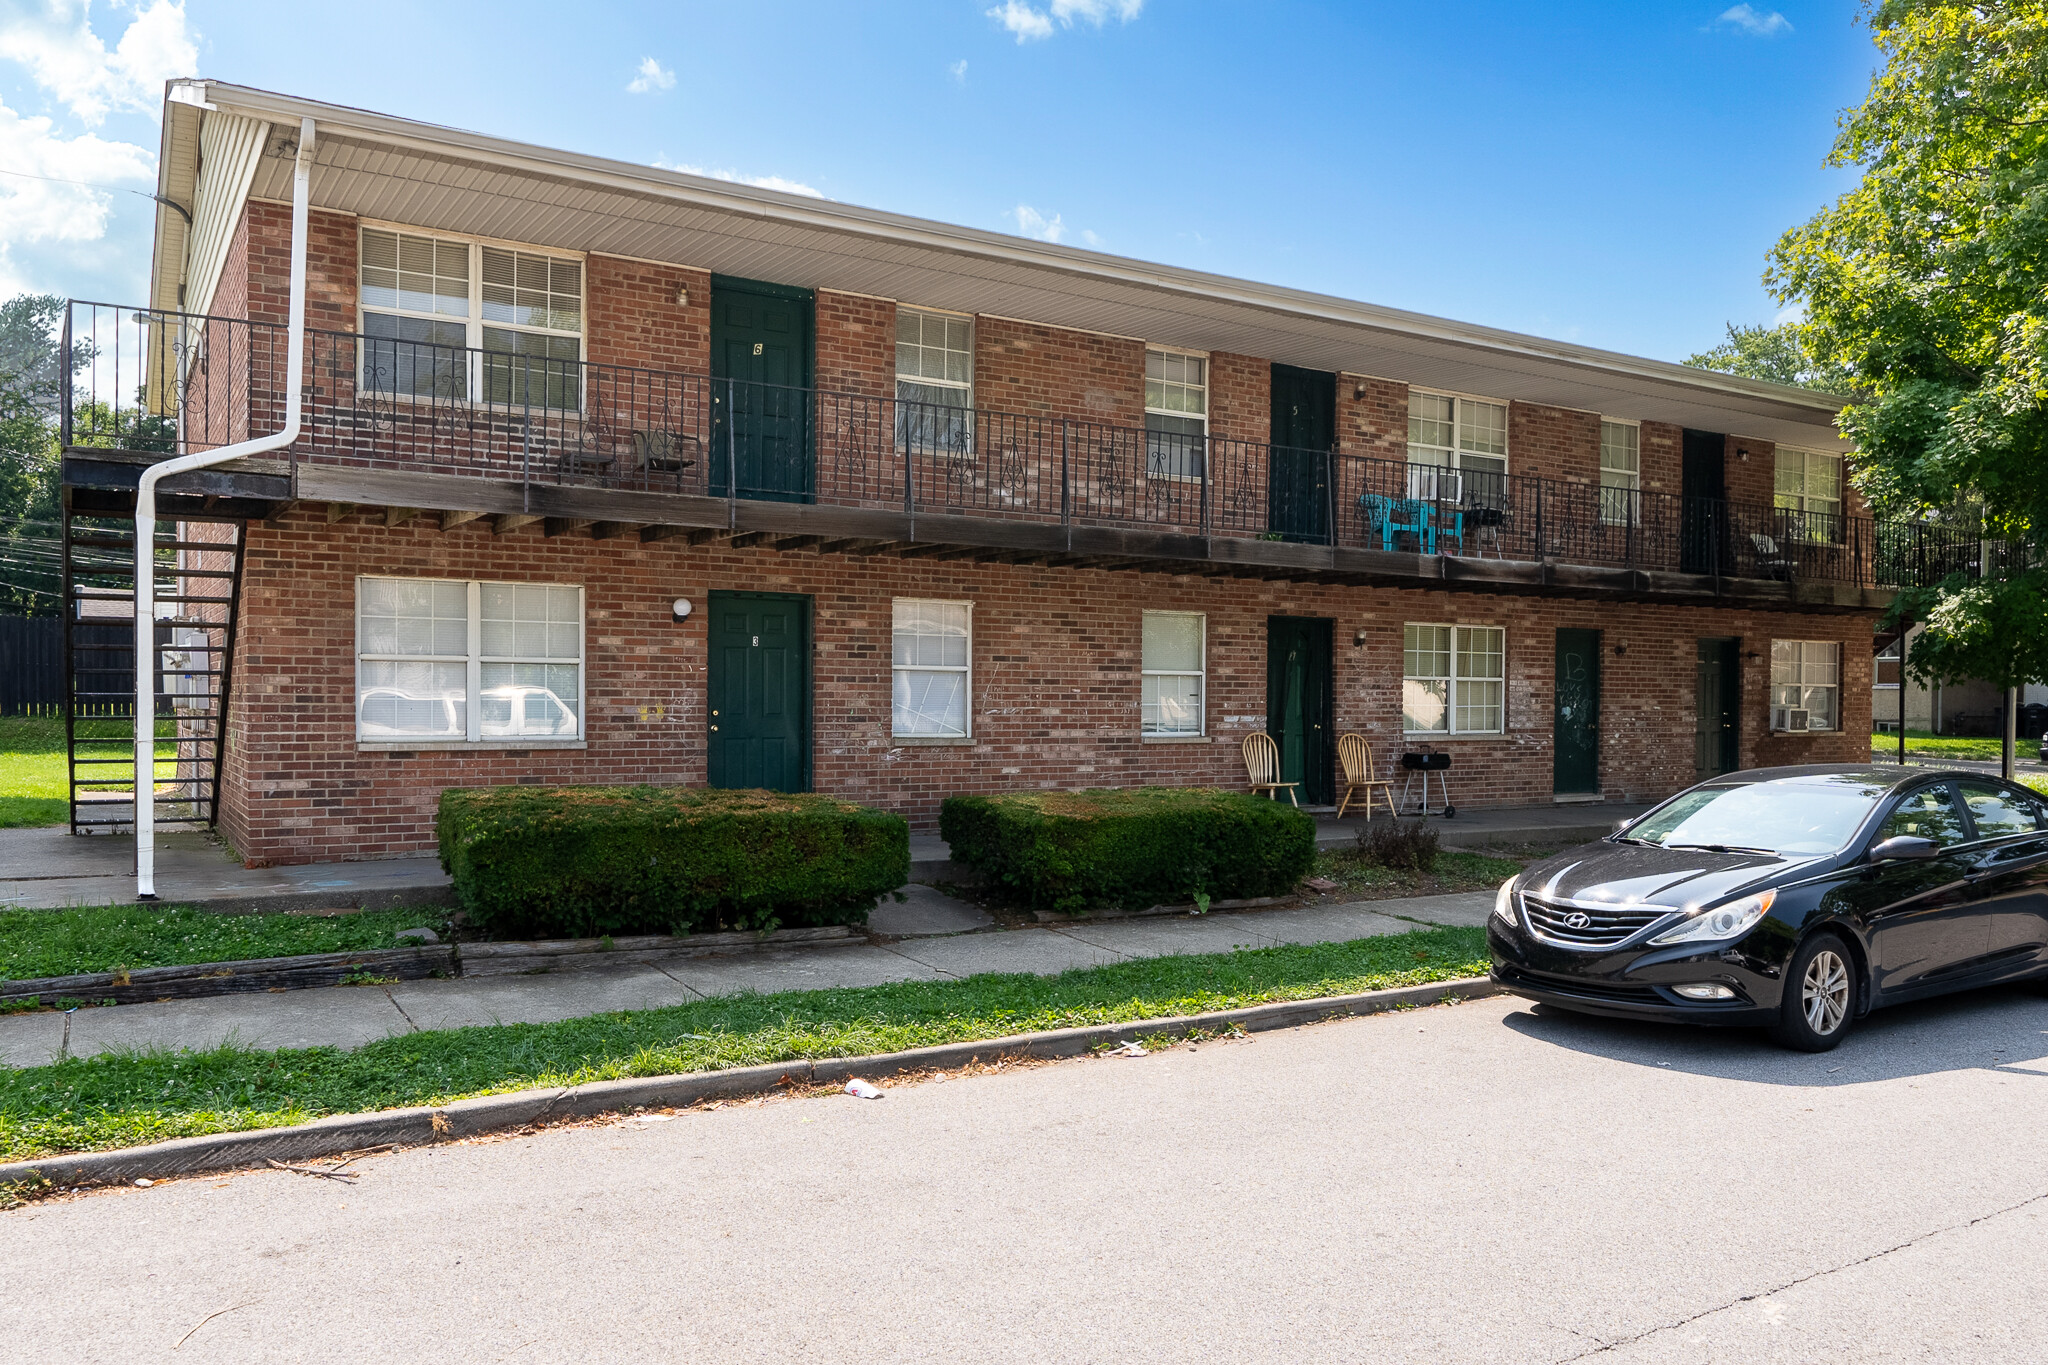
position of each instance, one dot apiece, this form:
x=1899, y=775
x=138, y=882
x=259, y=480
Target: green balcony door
x=1716, y=735
x=761, y=340
x=1304, y=431
x=1298, y=690
x=760, y=691
x=1576, y=729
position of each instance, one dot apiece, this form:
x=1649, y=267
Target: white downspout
x=145, y=528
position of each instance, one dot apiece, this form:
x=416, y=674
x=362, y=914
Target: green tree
x=30, y=390
x=1929, y=282
x=1778, y=354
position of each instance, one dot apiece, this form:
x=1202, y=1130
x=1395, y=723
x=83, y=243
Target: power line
x=87, y=184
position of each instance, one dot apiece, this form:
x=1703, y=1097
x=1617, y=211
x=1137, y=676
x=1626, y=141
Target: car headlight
x=1504, y=900
x=1723, y=921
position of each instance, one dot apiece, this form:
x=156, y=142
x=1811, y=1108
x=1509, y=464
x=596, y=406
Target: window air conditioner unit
x=1790, y=718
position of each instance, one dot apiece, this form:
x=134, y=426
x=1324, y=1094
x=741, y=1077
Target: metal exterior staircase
x=198, y=584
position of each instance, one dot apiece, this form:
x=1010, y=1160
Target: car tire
x=1821, y=991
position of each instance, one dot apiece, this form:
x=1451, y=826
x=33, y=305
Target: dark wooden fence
x=31, y=664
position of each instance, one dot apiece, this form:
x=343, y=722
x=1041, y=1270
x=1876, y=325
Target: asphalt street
x=1480, y=1182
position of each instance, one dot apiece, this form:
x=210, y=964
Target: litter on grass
x=861, y=1090
x=1130, y=1049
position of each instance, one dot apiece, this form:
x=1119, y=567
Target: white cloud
x=36, y=212
x=1794, y=311
x=959, y=70
x=1030, y=24
x=1088, y=236
x=653, y=76
x=1032, y=223
x=766, y=182
x=1747, y=19
x=68, y=60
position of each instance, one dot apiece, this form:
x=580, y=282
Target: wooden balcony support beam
x=399, y=516
x=689, y=535
x=788, y=543
x=612, y=530
x=339, y=512
x=451, y=520
x=505, y=523
x=563, y=526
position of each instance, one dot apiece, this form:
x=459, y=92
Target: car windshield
x=1795, y=818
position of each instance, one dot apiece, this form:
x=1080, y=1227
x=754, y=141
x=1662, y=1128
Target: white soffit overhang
x=441, y=179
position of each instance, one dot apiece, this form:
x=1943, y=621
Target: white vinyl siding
x=1174, y=650
x=1467, y=435
x=1453, y=679
x=934, y=381
x=449, y=660
x=1621, y=473
x=1176, y=414
x=1808, y=492
x=932, y=655
x=1807, y=675
x=429, y=302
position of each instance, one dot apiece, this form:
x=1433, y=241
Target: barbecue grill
x=1422, y=763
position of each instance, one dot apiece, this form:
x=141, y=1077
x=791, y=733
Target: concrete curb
x=467, y=1118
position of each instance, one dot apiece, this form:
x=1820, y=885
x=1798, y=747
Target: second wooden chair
x=1356, y=757
x=1262, y=764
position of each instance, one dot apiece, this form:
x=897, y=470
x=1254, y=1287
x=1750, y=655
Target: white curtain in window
x=931, y=654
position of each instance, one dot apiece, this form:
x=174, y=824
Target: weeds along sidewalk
x=126, y=1098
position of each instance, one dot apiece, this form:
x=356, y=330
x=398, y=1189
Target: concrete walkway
x=51, y=868
x=349, y=1016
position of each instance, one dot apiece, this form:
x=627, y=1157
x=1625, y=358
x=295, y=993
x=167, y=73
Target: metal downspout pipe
x=145, y=527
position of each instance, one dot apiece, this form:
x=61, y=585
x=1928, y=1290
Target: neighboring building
x=951, y=510
x=1965, y=708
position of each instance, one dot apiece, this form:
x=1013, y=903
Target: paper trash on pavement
x=1131, y=1049
x=861, y=1090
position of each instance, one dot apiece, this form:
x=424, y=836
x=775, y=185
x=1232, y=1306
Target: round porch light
x=681, y=607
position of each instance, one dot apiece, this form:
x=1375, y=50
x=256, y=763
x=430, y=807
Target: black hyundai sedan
x=1797, y=899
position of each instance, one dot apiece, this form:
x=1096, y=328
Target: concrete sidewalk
x=51, y=868
x=349, y=1016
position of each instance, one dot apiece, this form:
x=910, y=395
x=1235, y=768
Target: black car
x=1797, y=899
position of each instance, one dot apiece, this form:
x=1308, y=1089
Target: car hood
x=1631, y=874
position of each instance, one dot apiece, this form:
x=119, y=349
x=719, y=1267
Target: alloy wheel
x=1824, y=992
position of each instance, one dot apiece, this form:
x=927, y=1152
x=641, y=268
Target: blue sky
x=1604, y=173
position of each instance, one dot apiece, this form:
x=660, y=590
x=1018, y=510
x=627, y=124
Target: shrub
x=578, y=862
x=1133, y=847
x=1410, y=845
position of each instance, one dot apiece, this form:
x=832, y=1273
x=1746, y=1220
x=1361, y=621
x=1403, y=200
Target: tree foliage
x=1778, y=354
x=30, y=389
x=1929, y=282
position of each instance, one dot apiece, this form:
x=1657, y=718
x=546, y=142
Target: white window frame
x=1423, y=486
x=964, y=445
x=1621, y=489
x=1201, y=675
x=1453, y=680
x=474, y=660
x=1802, y=687
x=474, y=323
x=1799, y=504
x=966, y=670
x=1201, y=438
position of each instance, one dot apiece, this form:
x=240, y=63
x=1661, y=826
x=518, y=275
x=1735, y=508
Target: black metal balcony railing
x=158, y=381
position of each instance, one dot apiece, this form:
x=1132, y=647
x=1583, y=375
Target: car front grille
x=1603, y=927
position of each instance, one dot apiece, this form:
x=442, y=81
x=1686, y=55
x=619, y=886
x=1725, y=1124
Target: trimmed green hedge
x=578, y=862
x=1134, y=847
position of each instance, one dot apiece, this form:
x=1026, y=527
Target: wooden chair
x=1356, y=756
x=1262, y=763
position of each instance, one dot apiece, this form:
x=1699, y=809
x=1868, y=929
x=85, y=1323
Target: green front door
x=1298, y=703
x=1716, y=739
x=1298, y=474
x=761, y=419
x=1576, y=720
x=760, y=691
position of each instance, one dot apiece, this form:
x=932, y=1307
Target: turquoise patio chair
x=1394, y=515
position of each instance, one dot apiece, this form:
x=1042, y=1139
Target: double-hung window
x=1173, y=649
x=452, y=319
x=1621, y=473
x=934, y=382
x=454, y=661
x=1808, y=494
x=1467, y=436
x=933, y=654
x=1806, y=685
x=1176, y=414
x=1453, y=679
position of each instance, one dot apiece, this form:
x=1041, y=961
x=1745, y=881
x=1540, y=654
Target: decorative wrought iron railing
x=154, y=381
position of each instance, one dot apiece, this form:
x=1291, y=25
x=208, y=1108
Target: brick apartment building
x=612, y=474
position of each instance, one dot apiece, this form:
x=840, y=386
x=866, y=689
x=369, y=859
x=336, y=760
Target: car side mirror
x=1903, y=848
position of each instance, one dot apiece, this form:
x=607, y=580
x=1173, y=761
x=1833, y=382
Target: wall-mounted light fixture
x=1752, y=656
x=1359, y=638
x=682, y=296
x=1620, y=649
x=1742, y=454
x=681, y=608
x=1358, y=393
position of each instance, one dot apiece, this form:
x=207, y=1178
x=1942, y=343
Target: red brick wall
x=856, y=346
x=1553, y=443
x=1240, y=397
x=1049, y=371
x=1663, y=457
x=1372, y=418
x=1056, y=681
x=634, y=318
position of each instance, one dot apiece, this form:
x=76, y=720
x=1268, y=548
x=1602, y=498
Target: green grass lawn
x=125, y=1098
x=1454, y=872
x=1943, y=746
x=34, y=780
x=108, y=938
